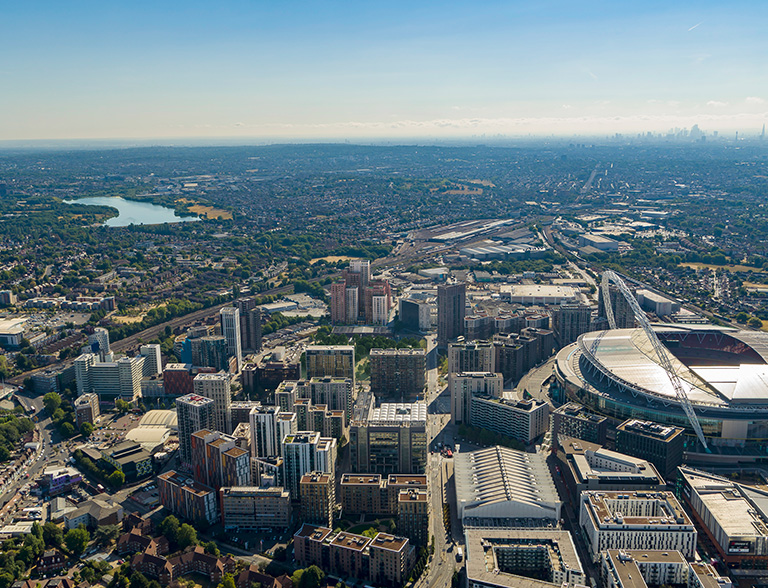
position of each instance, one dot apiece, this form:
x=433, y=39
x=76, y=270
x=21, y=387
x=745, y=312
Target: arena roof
x=160, y=418
x=626, y=355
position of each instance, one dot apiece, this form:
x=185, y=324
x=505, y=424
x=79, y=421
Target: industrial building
x=502, y=483
x=734, y=517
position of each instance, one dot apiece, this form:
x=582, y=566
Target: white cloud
x=754, y=100
x=716, y=103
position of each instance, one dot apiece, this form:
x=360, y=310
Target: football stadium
x=722, y=371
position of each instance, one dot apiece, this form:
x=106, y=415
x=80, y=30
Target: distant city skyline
x=361, y=71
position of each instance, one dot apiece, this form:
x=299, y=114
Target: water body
x=131, y=212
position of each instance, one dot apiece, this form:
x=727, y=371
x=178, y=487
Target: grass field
x=730, y=268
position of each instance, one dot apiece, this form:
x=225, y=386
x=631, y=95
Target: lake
x=131, y=212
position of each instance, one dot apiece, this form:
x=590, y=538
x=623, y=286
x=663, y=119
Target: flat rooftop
x=351, y=541
x=361, y=479
x=483, y=566
x=390, y=542
x=611, y=509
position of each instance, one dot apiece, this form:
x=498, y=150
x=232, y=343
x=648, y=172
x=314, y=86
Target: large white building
x=620, y=568
x=153, y=361
x=539, y=294
x=502, y=483
x=635, y=520
x=524, y=420
x=217, y=387
x=465, y=385
x=735, y=515
x=110, y=380
x=230, y=330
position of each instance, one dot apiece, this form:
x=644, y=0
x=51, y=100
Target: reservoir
x=131, y=212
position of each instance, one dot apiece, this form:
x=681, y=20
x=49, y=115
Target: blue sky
x=170, y=69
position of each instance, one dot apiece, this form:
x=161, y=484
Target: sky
x=304, y=70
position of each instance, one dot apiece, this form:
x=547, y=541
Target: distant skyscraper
x=250, y=324
x=451, y=301
x=230, y=329
x=99, y=341
x=153, y=362
x=338, y=303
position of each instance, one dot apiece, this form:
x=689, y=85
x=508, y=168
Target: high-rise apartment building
x=230, y=330
x=471, y=356
x=577, y=422
x=217, y=387
x=451, y=309
x=399, y=374
x=218, y=461
x=99, y=342
x=318, y=498
x=304, y=452
x=392, y=439
x=569, y=321
x=187, y=498
x=337, y=361
x=110, y=380
x=413, y=515
x=210, y=351
x=358, y=298
x=265, y=432
x=250, y=324
x=622, y=311
x=194, y=413
x=662, y=445
x=153, y=361
x=465, y=385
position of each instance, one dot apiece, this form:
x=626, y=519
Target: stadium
x=723, y=372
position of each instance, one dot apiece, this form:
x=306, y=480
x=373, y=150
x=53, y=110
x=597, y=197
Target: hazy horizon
x=304, y=71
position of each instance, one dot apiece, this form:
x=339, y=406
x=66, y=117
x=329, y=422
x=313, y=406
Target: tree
x=311, y=578
x=76, y=540
x=187, y=536
x=212, y=548
x=122, y=406
x=755, y=323
x=86, y=429
x=67, y=429
x=371, y=533
x=51, y=401
x=104, y=535
x=170, y=528
x=139, y=580
x=228, y=581
x=52, y=535
x=116, y=479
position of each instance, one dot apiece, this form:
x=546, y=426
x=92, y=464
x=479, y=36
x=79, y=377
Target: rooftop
x=649, y=509
x=351, y=541
x=390, y=542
